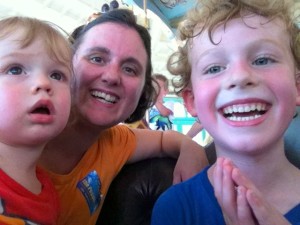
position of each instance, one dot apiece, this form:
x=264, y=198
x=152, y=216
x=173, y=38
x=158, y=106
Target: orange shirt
x=82, y=191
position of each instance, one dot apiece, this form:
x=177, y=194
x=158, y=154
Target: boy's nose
x=241, y=76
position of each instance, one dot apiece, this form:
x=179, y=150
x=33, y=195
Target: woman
x=112, y=66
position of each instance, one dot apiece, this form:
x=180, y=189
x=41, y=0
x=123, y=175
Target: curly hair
x=210, y=14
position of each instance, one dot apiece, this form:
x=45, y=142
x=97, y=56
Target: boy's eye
x=16, y=70
x=263, y=61
x=56, y=76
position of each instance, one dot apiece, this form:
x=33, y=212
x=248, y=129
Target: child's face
x=34, y=93
x=244, y=90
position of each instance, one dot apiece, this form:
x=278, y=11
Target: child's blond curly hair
x=210, y=14
x=56, y=44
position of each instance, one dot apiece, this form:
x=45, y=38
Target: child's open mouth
x=41, y=110
x=244, y=112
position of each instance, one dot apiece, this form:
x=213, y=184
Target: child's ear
x=298, y=88
x=188, y=98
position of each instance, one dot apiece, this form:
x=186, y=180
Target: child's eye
x=263, y=61
x=214, y=69
x=16, y=70
x=56, y=76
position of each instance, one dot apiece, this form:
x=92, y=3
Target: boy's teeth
x=246, y=118
x=244, y=108
x=244, y=112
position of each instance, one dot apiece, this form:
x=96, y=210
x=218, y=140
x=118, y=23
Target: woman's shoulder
x=120, y=136
x=116, y=131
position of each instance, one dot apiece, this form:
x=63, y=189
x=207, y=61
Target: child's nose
x=42, y=84
x=241, y=76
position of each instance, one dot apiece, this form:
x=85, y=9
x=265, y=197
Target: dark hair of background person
x=127, y=18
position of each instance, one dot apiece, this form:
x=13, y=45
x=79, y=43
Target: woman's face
x=110, y=69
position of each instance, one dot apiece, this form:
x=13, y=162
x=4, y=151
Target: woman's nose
x=112, y=75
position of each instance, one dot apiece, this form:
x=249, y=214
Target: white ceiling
x=66, y=13
x=69, y=14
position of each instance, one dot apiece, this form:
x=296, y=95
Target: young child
x=240, y=76
x=35, y=75
x=159, y=114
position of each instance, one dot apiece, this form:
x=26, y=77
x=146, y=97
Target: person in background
x=35, y=77
x=112, y=84
x=195, y=129
x=240, y=76
x=159, y=114
x=200, y=135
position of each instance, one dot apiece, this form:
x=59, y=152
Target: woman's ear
x=188, y=98
x=298, y=88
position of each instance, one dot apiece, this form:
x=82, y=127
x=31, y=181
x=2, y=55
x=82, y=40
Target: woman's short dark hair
x=126, y=17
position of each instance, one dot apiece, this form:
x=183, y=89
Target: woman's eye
x=130, y=70
x=213, y=70
x=56, y=76
x=16, y=70
x=96, y=59
x=263, y=61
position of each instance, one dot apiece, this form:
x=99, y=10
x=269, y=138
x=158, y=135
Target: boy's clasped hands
x=241, y=202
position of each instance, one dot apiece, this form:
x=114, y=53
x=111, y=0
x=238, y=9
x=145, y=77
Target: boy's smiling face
x=243, y=87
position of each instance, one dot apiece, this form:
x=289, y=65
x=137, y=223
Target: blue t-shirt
x=193, y=203
x=292, y=140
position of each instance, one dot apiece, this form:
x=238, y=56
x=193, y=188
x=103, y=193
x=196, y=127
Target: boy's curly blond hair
x=210, y=14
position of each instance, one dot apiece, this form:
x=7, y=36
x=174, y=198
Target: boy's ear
x=188, y=98
x=298, y=88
